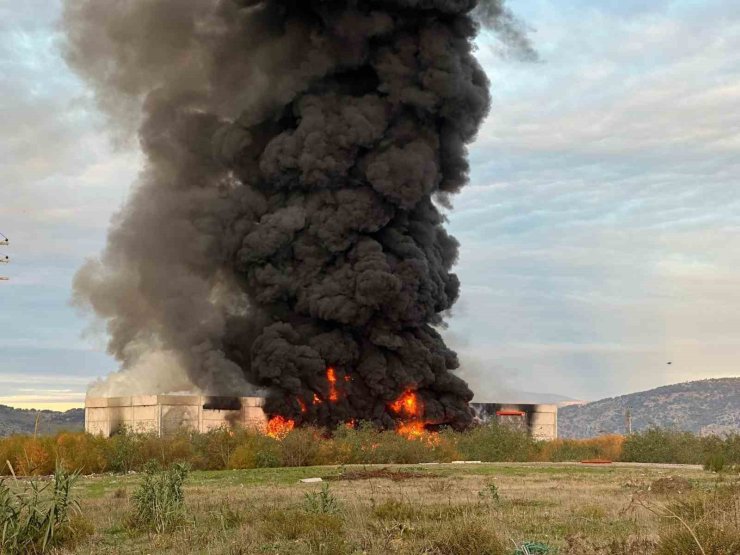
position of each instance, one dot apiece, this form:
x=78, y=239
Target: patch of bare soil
x=670, y=484
x=380, y=473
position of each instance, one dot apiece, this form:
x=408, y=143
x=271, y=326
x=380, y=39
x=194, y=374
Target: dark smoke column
x=284, y=229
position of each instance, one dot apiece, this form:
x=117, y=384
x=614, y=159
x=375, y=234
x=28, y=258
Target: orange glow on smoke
x=410, y=407
x=302, y=404
x=331, y=377
x=407, y=404
x=278, y=427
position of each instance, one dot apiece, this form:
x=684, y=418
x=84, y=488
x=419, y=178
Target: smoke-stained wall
x=286, y=220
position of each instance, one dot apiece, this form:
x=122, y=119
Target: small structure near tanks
x=167, y=414
x=539, y=420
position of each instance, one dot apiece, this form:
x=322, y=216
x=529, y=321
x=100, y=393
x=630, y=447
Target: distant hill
x=703, y=407
x=23, y=421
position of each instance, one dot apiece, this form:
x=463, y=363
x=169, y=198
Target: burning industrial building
x=285, y=237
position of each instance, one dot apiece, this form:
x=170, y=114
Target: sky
x=600, y=234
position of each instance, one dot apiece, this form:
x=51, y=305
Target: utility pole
x=628, y=421
x=4, y=242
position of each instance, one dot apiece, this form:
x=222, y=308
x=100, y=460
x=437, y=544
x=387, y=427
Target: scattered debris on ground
x=533, y=548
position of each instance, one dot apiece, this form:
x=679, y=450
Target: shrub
x=394, y=509
x=607, y=447
x=254, y=450
x=496, y=443
x=124, y=452
x=220, y=449
x=300, y=447
x=490, y=493
x=715, y=462
x=659, y=445
x=83, y=453
x=36, y=516
x=214, y=449
x=322, y=501
x=159, y=502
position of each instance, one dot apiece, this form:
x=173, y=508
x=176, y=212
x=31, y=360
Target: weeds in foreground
x=35, y=516
x=321, y=502
x=469, y=536
x=490, y=493
x=319, y=533
x=159, y=502
x=699, y=525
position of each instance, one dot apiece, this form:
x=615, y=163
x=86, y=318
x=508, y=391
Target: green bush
x=673, y=446
x=661, y=445
x=124, y=451
x=490, y=493
x=244, y=448
x=322, y=501
x=715, y=462
x=36, y=516
x=496, y=443
x=159, y=502
x=300, y=447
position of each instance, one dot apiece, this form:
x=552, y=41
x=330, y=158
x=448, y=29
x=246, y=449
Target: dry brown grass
x=440, y=510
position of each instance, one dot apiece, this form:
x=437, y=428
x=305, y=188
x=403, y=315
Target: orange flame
x=407, y=404
x=331, y=377
x=410, y=407
x=278, y=427
x=302, y=404
x=411, y=429
x=316, y=399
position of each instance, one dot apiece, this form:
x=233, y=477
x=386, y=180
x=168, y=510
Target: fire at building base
x=167, y=414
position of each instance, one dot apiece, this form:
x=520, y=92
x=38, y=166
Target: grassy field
x=441, y=509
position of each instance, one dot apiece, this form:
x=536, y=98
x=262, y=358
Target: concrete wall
x=540, y=421
x=167, y=414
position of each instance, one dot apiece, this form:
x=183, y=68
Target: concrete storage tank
x=168, y=414
x=539, y=420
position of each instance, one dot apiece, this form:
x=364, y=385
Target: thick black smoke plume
x=283, y=223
